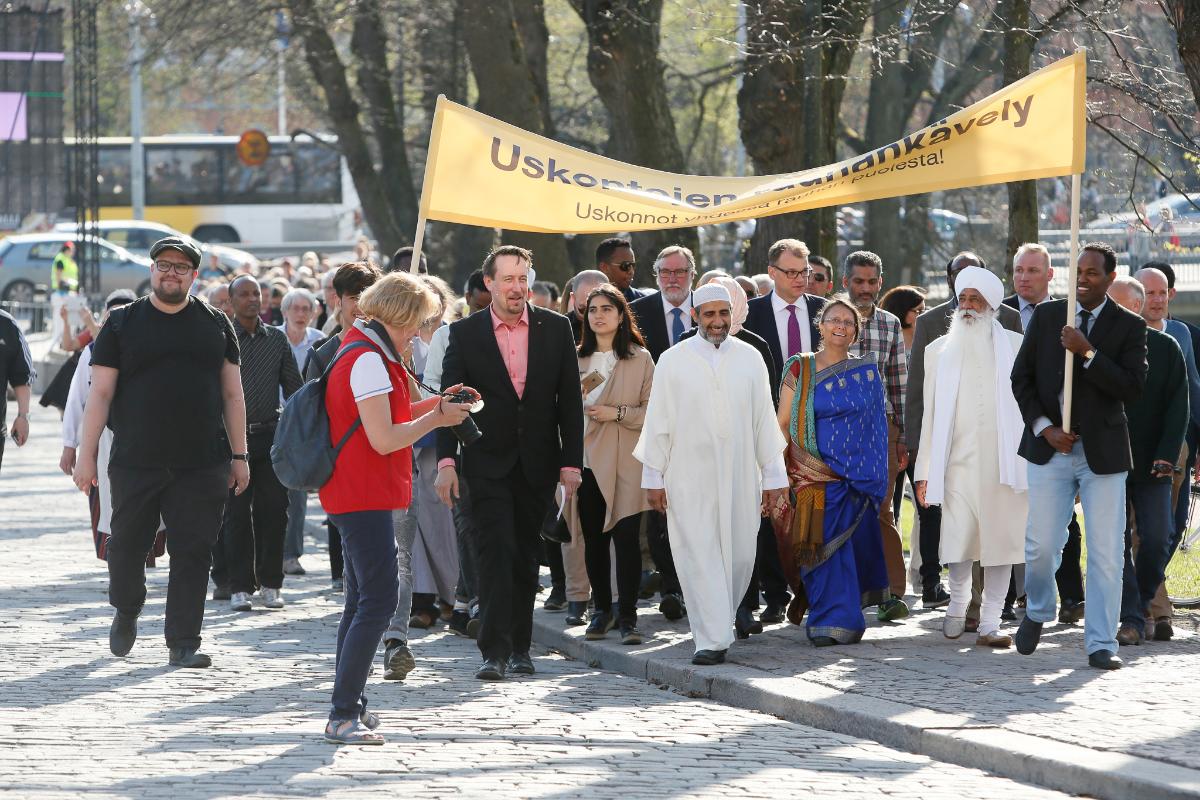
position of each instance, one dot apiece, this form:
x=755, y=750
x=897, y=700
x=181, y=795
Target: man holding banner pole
x=1097, y=357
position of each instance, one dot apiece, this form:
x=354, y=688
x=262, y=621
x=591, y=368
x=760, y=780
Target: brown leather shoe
x=1129, y=635
x=997, y=640
x=972, y=625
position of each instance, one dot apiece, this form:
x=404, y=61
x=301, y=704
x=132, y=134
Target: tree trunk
x=1185, y=16
x=369, y=45
x=1022, y=195
x=796, y=61
x=624, y=68
x=507, y=48
x=330, y=73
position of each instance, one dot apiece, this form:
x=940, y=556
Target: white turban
x=982, y=281
x=710, y=293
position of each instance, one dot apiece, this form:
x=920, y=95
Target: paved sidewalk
x=74, y=721
x=1046, y=718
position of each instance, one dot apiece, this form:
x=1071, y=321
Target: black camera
x=467, y=431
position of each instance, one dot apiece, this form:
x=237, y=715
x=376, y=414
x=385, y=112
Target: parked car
x=1179, y=208
x=136, y=236
x=26, y=260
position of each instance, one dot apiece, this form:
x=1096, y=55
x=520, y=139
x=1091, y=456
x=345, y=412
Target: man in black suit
x=1032, y=273
x=522, y=361
x=663, y=318
x=786, y=319
x=1091, y=459
x=931, y=325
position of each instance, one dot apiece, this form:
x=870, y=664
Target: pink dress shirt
x=513, y=341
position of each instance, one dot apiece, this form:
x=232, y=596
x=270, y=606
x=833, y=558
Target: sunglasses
x=624, y=266
x=819, y=277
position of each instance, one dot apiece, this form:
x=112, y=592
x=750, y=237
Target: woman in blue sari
x=831, y=408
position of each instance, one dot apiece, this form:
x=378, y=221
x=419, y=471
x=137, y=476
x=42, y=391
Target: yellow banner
x=482, y=171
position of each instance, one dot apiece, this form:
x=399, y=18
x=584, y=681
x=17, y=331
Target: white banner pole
x=1072, y=271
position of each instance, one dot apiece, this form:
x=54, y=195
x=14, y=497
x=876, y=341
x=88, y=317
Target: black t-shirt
x=167, y=409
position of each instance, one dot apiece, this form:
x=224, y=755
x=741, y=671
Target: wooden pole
x=435, y=140
x=1072, y=271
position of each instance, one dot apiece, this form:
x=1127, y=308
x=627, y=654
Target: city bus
x=197, y=184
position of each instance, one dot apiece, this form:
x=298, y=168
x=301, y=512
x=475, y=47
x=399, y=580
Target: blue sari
x=838, y=443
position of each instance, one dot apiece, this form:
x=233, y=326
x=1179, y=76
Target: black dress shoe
x=222, y=592
x=492, y=669
x=1008, y=614
x=122, y=634
x=823, y=641
x=1163, y=630
x=459, y=620
x=707, y=658
x=189, y=658
x=651, y=582
x=576, y=611
x=1104, y=659
x=557, y=600
x=745, y=624
x=935, y=597
x=772, y=614
x=1028, y=634
x=520, y=664
x=599, y=626
x=672, y=607
x=1071, y=612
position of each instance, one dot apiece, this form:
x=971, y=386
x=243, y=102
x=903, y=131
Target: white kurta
x=711, y=439
x=982, y=519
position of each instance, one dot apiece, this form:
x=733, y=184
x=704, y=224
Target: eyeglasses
x=792, y=274
x=624, y=266
x=673, y=273
x=167, y=266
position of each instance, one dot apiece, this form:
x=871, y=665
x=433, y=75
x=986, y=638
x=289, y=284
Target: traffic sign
x=253, y=148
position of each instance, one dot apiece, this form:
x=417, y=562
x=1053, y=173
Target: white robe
x=982, y=518
x=711, y=439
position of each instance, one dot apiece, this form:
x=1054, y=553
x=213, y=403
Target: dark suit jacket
x=542, y=431
x=931, y=325
x=754, y=340
x=1012, y=302
x=1116, y=376
x=648, y=311
x=1193, y=432
x=760, y=319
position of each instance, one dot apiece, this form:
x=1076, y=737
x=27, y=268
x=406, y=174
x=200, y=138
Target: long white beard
x=971, y=328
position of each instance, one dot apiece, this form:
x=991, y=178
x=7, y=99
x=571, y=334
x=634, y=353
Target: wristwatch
x=240, y=457
x=1090, y=354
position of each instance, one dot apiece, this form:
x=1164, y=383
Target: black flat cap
x=180, y=243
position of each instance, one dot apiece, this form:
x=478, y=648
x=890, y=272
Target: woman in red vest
x=373, y=477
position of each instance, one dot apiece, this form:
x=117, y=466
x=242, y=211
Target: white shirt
x=783, y=316
x=1041, y=423
x=602, y=363
x=774, y=475
x=685, y=315
x=435, y=355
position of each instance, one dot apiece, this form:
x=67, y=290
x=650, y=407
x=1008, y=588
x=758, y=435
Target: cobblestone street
x=76, y=721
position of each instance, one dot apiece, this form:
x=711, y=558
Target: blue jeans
x=293, y=539
x=1155, y=528
x=1052, y=490
x=369, y=549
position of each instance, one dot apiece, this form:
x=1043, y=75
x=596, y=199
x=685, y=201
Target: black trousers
x=507, y=514
x=1070, y=576
x=337, y=563
x=553, y=558
x=220, y=568
x=660, y=552
x=768, y=572
x=257, y=524
x=931, y=541
x=190, y=502
x=624, y=538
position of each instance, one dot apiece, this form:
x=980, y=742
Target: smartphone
x=590, y=381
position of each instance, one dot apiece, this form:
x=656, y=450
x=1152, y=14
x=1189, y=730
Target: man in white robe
x=967, y=461
x=712, y=456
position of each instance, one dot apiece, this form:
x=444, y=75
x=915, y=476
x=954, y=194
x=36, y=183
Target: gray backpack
x=301, y=453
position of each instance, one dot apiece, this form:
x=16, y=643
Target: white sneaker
x=239, y=601
x=292, y=566
x=953, y=627
x=272, y=598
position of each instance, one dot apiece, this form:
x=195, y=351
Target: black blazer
x=652, y=321
x=760, y=319
x=1012, y=302
x=542, y=431
x=754, y=340
x=1116, y=376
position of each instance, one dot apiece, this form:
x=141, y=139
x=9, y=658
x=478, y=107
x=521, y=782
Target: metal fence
x=33, y=317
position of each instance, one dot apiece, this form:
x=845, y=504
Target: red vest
x=364, y=480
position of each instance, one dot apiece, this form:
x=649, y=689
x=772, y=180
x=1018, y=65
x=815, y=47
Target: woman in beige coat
x=615, y=371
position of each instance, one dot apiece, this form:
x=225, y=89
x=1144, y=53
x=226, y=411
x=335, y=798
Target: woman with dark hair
x=832, y=411
x=907, y=303
x=615, y=372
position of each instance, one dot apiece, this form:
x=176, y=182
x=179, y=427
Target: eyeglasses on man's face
x=167, y=266
x=673, y=274
x=793, y=274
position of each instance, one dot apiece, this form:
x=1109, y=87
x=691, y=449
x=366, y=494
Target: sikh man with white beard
x=967, y=461
x=712, y=456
